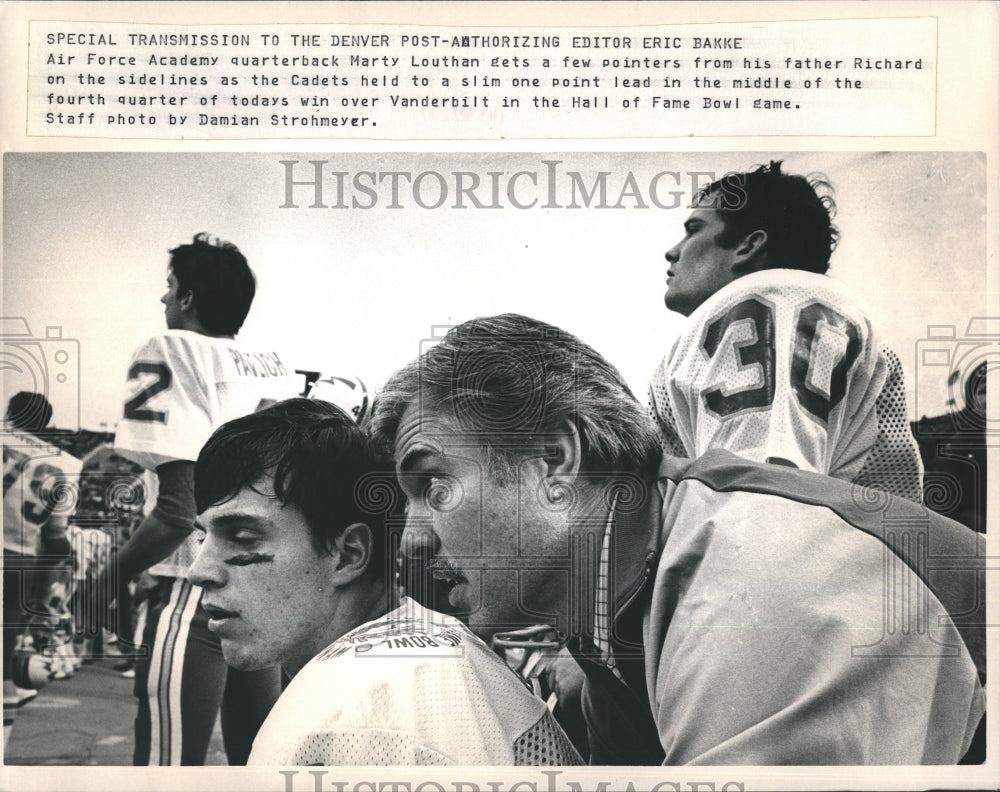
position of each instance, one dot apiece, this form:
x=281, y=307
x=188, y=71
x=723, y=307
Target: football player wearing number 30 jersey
x=182, y=385
x=777, y=362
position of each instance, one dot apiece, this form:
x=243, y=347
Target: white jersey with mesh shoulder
x=181, y=387
x=785, y=366
x=413, y=687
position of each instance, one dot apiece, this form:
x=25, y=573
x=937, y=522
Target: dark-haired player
x=294, y=502
x=182, y=385
x=777, y=361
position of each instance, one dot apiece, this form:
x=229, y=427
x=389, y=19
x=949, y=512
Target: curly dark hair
x=796, y=213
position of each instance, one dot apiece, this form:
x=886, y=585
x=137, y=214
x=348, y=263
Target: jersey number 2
x=135, y=409
x=759, y=350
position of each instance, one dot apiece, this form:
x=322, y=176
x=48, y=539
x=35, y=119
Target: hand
x=144, y=583
x=562, y=675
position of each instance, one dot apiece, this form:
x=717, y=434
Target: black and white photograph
x=499, y=465
x=350, y=271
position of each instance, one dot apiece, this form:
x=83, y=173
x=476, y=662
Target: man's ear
x=562, y=451
x=751, y=253
x=186, y=302
x=352, y=552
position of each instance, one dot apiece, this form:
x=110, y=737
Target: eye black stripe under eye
x=246, y=559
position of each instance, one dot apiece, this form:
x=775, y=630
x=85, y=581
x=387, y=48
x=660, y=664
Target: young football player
x=777, y=361
x=40, y=491
x=294, y=505
x=183, y=384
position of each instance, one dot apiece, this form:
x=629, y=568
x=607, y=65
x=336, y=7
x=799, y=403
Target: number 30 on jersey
x=824, y=348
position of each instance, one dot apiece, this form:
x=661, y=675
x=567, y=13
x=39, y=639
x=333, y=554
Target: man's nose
x=204, y=571
x=673, y=254
x=419, y=538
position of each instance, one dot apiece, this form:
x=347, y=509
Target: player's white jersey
x=39, y=481
x=783, y=366
x=181, y=387
x=414, y=687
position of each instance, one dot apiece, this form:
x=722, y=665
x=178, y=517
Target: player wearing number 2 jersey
x=182, y=385
x=777, y=362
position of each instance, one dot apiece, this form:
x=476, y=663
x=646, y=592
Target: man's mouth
x=432, y=582
x=455, y=583
x=218, y=615
x=442, y=569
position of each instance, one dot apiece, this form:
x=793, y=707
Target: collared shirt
x=602, y=615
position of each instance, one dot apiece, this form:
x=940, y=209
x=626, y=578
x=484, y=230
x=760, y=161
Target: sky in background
x=357, y=291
